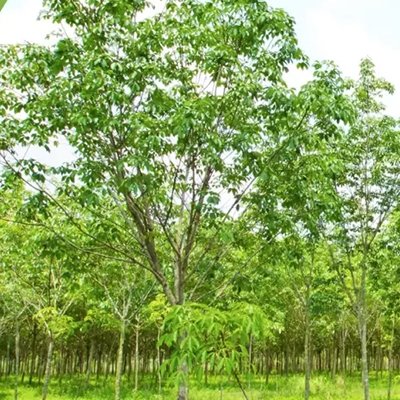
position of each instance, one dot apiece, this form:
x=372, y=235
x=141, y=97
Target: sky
x=344, y=31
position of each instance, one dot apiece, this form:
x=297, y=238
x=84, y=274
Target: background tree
x=368, y=186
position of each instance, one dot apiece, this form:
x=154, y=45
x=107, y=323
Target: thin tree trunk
x=250, y=360
x=334, y=359
x=267, y=367
x=137, y=356
x=158, y=361
x=47, y=376
x=33, y=356
x=390, y=363
x=240, y=385
x=343, y=353
x=99, y=361
x=364, y=356
x=16, y=360
x=363, y=332
x=8, y=359
x=120, y=357
x=183, y=388
x=307, y=355
x=89, y=364
x=61, y=365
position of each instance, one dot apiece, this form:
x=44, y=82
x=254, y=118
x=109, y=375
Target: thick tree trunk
x=183, y=389
x=47, y=375
x=120, y=358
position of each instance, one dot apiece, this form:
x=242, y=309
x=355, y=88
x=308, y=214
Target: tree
x=368, y=186
x=384, y=270
x=125, y=295
x=42, y=271
x=295, y=196
x=163, y=114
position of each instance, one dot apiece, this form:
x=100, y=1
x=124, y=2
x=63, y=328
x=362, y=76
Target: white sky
x=340, y=30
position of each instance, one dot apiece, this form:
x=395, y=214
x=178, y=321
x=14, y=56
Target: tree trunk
x=334, y=360
x=9, y=367
x=362, y=319
x=343, y=353
x=89, y=364
x=307, y=355
x=47, y=376
x=183, y=388
x=267, y=367
x=137, y=356
x=364, y=355
x=60, y=365
x=99, y=360
x=158, y=360
x=120, y=358
x=390, y=363
x=33, y=356
x=16, y=360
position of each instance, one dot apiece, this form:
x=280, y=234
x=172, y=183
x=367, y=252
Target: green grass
x=285, y=388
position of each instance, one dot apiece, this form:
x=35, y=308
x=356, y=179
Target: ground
x=282, y=388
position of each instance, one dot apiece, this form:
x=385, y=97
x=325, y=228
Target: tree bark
x=33, y=356
x=17, y=352
x=307, y=355
x=183, y=388
x=364, y=355
x=89, y=364
x=137, y=356
x=390, y=362
x=159, y=361
x=362, y=320
x=120, y=357
x=47, y=376
x=267, y=367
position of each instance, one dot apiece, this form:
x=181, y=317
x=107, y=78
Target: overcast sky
x=340, y=30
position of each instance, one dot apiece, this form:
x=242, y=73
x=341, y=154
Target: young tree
x=295, y=195
x=368, y=188
x=125, y=293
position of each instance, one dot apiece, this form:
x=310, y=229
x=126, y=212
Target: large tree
x=163, y=114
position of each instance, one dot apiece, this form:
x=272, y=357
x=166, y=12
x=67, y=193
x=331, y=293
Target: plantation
x=211, y=233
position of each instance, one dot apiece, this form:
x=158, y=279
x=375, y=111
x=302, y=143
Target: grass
x=285, y=388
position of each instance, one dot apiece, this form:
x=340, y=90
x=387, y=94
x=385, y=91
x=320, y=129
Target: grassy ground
x=291, y=388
